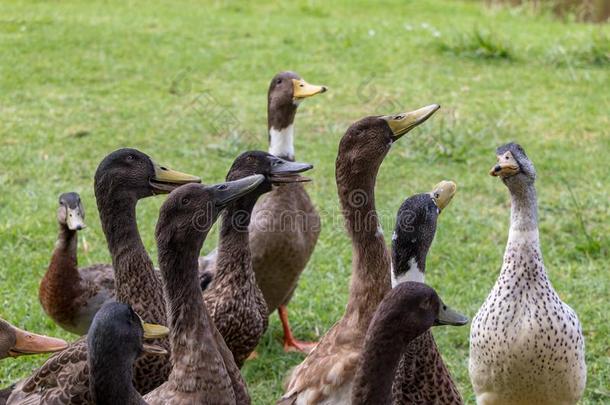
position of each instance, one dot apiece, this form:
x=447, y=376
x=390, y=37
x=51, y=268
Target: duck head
x=367, y=142
x=15, y=342
x=190, y=211
x=132, y=173
x=513, y=166
x=114, y=342
x=414, y=232
x=286, y=91
x=414, y=306
x=71, y=212
x=277, y=171
x=117, y=331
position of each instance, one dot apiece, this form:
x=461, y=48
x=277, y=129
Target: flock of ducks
x=179, y=334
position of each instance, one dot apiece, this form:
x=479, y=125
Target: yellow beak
x=443, y=192
x=400, y=124
x=154, y=331
x=301, y=89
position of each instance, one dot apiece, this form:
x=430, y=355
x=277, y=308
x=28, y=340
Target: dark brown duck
x=203, y=369
x=234, y=299
x=122, y=178
x=406, y=312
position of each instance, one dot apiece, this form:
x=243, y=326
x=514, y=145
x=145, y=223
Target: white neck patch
x=413, y=274
x=281, y=141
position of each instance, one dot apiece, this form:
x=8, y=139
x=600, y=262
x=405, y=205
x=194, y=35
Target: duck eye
x=399, y=117
x=185, y=201
x=279, y=81
x=130, y=157
x=444, y=307
x=436, y=195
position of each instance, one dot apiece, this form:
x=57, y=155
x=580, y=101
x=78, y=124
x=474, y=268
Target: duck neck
x=524, y=207
x=408, y=264
x=280, y=124
x=523, y=238
x=281, y=142
x=370, y=259
x=386, y=341
x=63, y=268
x=135, y=281
x=191, y=339
x=234, y=259
x=111, y=380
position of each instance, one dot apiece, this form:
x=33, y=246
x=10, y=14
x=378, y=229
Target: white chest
x=525, y=343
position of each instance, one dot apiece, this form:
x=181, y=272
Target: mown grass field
x=186, y=83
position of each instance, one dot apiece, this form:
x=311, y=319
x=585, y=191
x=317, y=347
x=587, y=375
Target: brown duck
x=234, y=299
x=122, y=178
x=279, y=252
x=421, y=377
x=203, y=370
x=406, y=312
x=327, y=373
x=69, y=295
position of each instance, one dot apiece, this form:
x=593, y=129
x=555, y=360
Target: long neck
x=370, y=259
x=524, y=207
x=383, y=348
x=281, y=142
x=111, y=380
x=280, y=124
x=191, y=340
x=62, y=280
x=135, y=281
x=234, y=262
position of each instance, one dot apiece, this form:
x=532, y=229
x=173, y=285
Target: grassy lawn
x=186, y=83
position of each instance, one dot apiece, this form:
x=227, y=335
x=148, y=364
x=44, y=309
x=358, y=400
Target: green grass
x=186, y=83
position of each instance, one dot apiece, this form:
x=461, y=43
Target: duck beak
x=74, y=219
x=165, y=180
x=442, y=193
x=449, y=316
x=154, y=331
x=400, y=124
x=504, y=169
x=153, y=349
x=232, y=190
x=301, y=89
x=31, y=343
x=288, y=172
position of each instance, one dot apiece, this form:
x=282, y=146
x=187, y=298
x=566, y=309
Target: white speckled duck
x=526, y=345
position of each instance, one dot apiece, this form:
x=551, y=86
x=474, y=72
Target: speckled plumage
x=526, y=345
x=421, y=376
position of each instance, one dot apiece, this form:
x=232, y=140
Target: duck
x=234, y=299
x=421, y=376
x=15, y=342
x=408, y=311
x=526, y=344
x=115, y=340
x=327, y=374
x=203, y=368
x=71, y=296
x=280, y=253
x=123, y=177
